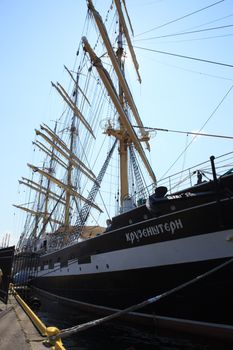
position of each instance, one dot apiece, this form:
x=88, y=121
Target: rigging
x=184, y=33
x=185, y=132
x=187, y=57
x=214, y=111
x=178, y=19
x=85, y=211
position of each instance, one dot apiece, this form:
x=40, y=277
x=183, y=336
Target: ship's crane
x=85, y=211
x=138, y=178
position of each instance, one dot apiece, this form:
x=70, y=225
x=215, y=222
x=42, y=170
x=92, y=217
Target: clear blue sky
x=38, y=37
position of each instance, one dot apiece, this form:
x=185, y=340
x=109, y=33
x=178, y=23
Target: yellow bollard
x=53, y=341
x=35, y=319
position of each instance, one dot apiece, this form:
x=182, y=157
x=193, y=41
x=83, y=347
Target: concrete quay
x=16, y=329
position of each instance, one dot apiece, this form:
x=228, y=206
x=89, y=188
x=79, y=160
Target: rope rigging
x=189, y=144
x=189, y=32
x=186, y=57
x=138, y=178
x=180, y=18
x=186, y=132
x=85, y=211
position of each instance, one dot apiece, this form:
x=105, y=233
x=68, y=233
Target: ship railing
x=191, y=176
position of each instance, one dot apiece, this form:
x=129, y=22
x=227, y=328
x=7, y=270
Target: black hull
x=151, y=256
x=207, y=300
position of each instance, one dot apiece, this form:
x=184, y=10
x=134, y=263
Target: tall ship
x=99, y=226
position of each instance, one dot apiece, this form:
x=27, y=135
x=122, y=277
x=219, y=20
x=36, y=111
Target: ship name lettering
x=178, y=224
x=160, y=228
x=152, y=230
x=139, y=234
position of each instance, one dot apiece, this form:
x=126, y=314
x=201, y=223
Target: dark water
x=119, y=336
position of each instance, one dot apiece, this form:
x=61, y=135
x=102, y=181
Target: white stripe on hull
x=208, y=246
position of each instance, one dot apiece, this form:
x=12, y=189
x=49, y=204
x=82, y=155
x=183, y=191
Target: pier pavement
x=16, y=329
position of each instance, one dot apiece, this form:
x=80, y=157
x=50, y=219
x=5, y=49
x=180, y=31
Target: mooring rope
x=72, y=330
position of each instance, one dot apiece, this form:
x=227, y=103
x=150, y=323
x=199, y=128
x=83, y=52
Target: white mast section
x=123, y=83
x=73, y=106
x=62, y=185
x=66, y=152
x=115, y=99
x=126, y=32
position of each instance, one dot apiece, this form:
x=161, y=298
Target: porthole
x=107, y=266
x=145, y=217
x=97, y=267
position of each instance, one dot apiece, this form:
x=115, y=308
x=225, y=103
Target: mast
x=122, y=98
x=70, y=165
x=45, y=218
x=124, y=139
x=37, y=217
